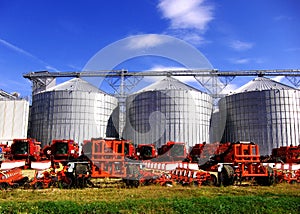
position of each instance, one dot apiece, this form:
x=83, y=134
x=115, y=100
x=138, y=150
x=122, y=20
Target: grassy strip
x=283, y=198
x=220, y=204
x=147, y=192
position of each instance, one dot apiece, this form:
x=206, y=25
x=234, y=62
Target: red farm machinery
x=12, y=178
x=61, y=149
x=117, y=160
x=4, y=151
x=172, y=151
x=26, y=150
x=146, y=151
x=287, y=163
x=238, y=162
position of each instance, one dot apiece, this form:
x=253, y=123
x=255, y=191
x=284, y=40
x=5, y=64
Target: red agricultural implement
x=25, y=149
x=117, y=159
x=286, y=154
x=239, y=162
x=61, y=150
x=172, y=151
x=288, y=176
x=4, y=151
x=200, y=153
x=12, y=178
x=186, y=176
x=146, y=152
x=56, y=177
x=108, y=156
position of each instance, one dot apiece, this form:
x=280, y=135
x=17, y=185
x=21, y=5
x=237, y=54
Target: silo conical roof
x=75, y=84
x=261, y=84
x=168, y=83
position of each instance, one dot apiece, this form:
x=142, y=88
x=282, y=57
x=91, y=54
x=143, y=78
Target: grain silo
x=75, y=110
x=265, y=112
x=168, y=110
x=13, y=117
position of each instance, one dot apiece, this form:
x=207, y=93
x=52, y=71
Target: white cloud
x=240, y=61
x=241, y=46
x=188, y=14
x=185, y=79
x=146, y=41
x=190, y=36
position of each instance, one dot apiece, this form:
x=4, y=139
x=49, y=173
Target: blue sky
x=62, y=35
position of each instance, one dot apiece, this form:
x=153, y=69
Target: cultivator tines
x=186, y=176
x=289, y=173
x=42, y=179
x=163, y=179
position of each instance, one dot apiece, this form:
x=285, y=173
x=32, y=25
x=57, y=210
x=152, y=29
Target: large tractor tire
x=226, y=177
x=38, y=185
x=267, y=180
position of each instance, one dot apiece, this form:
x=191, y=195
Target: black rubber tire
x=227, y=175
x=213, y=181
x=4, y=185
x=267, y=180
x=38, y=185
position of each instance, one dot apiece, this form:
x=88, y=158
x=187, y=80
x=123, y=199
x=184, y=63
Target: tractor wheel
x=227, y=176
x=292, y=182
x=213, y=181
x=267, y=180
x=136, y=183
x=26, y=185
x=4, y=185
x=38, y=185
x=23, y=181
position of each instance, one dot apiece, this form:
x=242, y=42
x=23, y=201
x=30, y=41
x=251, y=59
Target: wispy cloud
x=189, y=19
x=246, y=60
x=240, y=61
x=240, y=46
x=185, y=79
x=25, y=53
x=292, y=49
x=283, y=18
x=146, y=41
x=190, y=36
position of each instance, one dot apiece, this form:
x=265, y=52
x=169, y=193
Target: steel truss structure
x=123, y=81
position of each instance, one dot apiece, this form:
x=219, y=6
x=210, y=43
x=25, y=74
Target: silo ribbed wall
x=168, y=115
x=270, y=118
x=77, y=115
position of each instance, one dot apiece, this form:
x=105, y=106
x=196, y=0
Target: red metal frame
x=108, y=157
x=71, y=152
x=10, y=177
x=143, y=148
x=31, y=151
x=287, y=154
x=169, y=151
x=247, y=159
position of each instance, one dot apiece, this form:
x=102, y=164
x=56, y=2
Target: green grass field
x=283, y=198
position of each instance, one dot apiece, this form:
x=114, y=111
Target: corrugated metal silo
x=72, y=110
x=265, y=112
x=168, y=110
